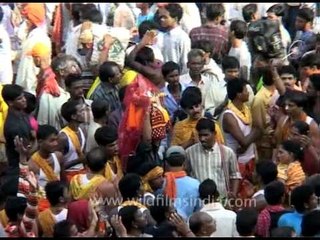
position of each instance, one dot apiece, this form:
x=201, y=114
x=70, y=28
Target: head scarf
x=152, y=174
x=40, y=50
x=35, y=13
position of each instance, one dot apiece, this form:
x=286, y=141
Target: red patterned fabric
x=264, y=220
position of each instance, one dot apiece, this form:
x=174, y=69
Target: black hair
x=146, y=167
x=129, y=186
x=11, y=92
x=315, y=80
x=310, y=225
x=95, y=16
x=127, y=215
x=248, y=10
x=234, y=87
x=175, y=11
x=310, y=60
x=169, y=67
x=214, y=10
x=176, y=160
x=302, y=127
x=266, y=75
x=208, y=191
x=72, y=78
x=105, y=135
x=274, y=192
x=246, y=221
x=314, y=182
x=288, y=69
x=298, y=97
x=60, y=62
x=3, y=196
x=31, y=102
x=283, y=232
x=161, y=205
x=99, y=108
x=62, y=229
x=277, y=9
x=230, y=62
x=68, y=109
x=306, y=13
x=293, y=147
x=45, y=131
x=96, y=159
x=267, y=170
x=145, y=56
x=205, y=45
x=54, y=191
x=146, y=26
x=75, y=10
x=239, y=28
x=300, y=196
x=106, y=71
x=15, y=206
x=191, y=96
x=206, y=124
x=86, y=10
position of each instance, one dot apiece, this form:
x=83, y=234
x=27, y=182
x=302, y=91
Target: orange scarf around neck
x=44, y=166
x=171, y=188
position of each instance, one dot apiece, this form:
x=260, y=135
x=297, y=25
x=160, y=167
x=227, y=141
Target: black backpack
x=265, y=38
x=275, y=216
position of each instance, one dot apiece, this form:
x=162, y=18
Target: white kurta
x=6, y=73
x=27, y=71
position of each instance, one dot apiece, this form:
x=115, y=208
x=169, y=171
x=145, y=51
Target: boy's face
x=173, y=78
x=232, y=73
x=19, y=103
x=289, y=80
x=194, y=112
x=300, y=23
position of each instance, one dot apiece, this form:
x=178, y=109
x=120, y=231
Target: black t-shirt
x=16, y=124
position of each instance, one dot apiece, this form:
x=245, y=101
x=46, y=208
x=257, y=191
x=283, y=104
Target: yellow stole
x=108, y=172
x=3, y=218
x=44, y=166
x=133, y=203
x=74, y=139
x=83, y=191
x=47, y=222
x=244, y=115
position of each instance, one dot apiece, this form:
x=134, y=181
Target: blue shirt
x=187, y=200
x=291, y=220
x=169, y=101
x=142, y=18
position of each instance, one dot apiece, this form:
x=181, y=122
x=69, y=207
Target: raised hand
x=118, y=226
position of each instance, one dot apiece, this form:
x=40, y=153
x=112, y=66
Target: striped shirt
x=208, y=164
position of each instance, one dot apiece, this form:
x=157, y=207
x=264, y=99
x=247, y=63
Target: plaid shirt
x=264, y=220
x=109, y=93
x=217, y=34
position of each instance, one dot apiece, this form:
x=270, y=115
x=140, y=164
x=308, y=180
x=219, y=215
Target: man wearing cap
x=50, y=95
x=178, y=186
x=34, y=14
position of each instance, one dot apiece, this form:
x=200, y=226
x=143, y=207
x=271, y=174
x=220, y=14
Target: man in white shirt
x=239, y=48
x=174, y=42
x=225, y=219
x=208, y=83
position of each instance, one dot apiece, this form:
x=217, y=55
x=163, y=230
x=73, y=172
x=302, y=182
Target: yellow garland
x=244, y=115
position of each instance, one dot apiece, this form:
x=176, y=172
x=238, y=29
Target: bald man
x=202, y=224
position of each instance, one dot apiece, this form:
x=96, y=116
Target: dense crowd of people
x=159, y=119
